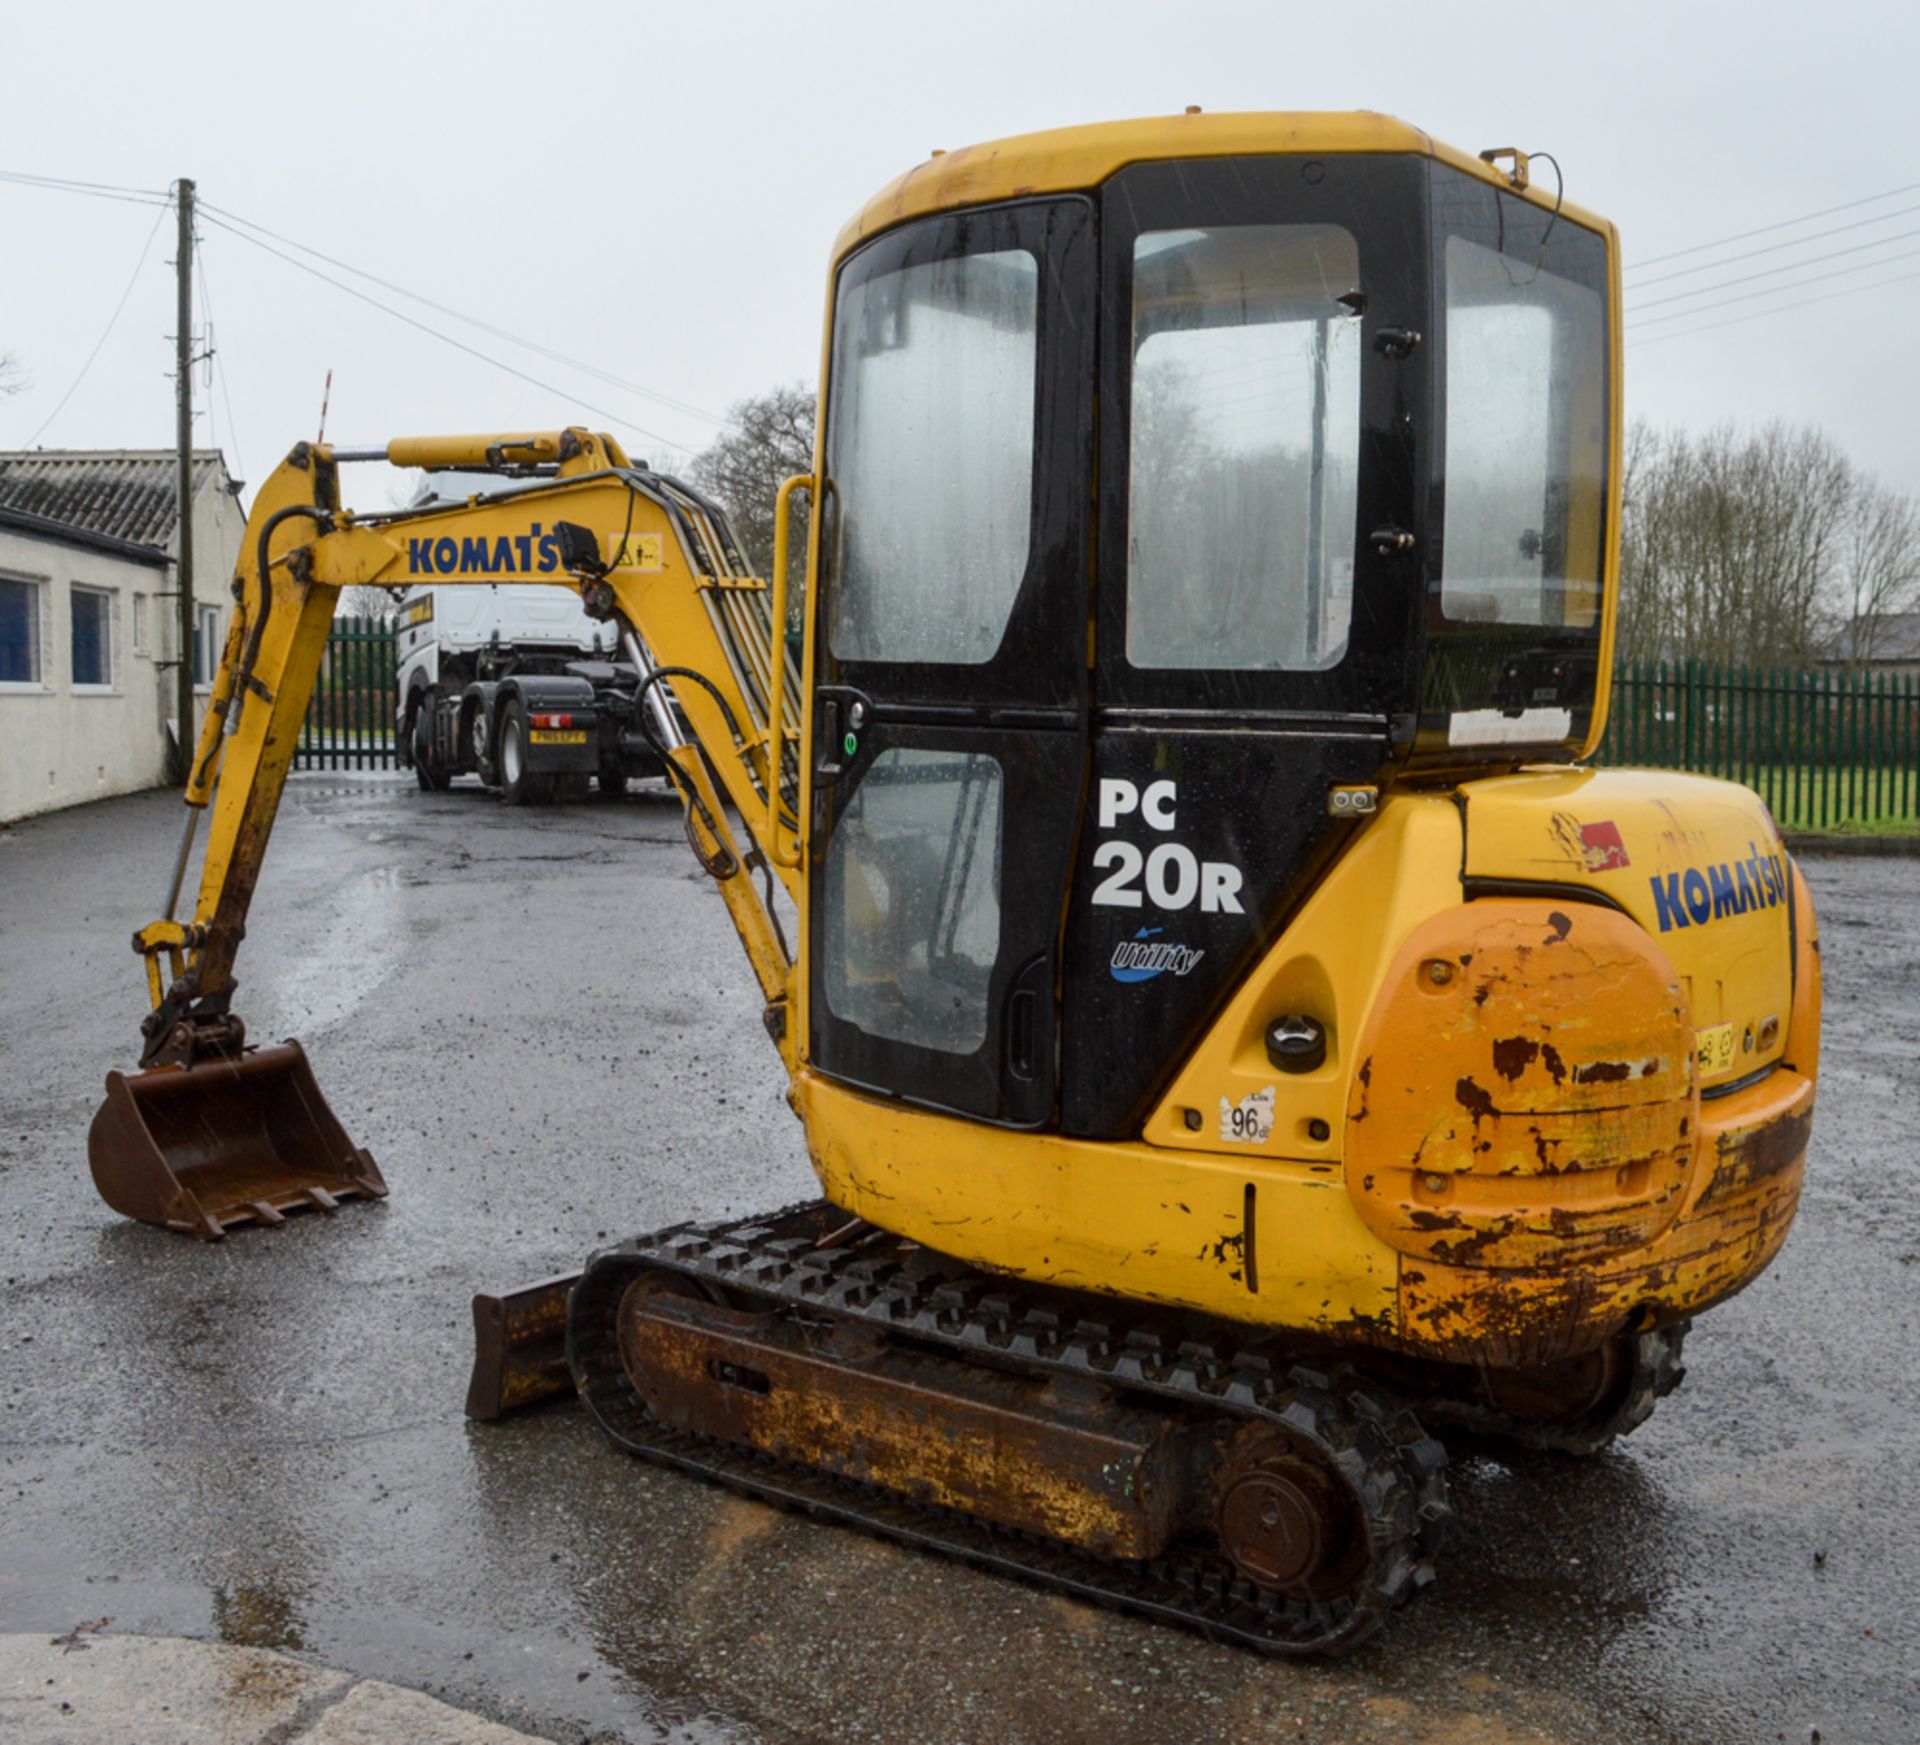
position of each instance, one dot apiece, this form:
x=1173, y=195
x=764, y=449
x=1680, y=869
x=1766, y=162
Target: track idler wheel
x=1287, y=1521
x=1339, y=1504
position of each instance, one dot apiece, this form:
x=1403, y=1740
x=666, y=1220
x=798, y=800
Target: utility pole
x=183, y=570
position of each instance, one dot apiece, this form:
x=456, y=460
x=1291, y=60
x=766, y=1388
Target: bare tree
x=1646, y=548
x=1736, y=547
x=13, y=374
x=1879, y=568
x=367, y=601
x=768, y=438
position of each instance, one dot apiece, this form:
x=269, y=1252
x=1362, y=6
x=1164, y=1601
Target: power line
x=593, y=370
x=1790, y=267
x=97, y=190
x=444, y=338
x=145, y=249
x=1757, y=314
x=1776, y=247
x=1768, y=229
x=1775, y=290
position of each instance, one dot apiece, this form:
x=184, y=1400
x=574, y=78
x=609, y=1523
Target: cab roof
x=1066, y=159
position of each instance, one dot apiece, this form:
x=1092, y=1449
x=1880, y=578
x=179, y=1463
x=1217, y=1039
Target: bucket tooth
x=228, y=1140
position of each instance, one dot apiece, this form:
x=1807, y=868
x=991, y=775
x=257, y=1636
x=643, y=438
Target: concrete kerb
x=92, y=1689
x=1802, y=843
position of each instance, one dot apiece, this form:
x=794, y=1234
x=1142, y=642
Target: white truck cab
x=441, y=623
x=512, y=682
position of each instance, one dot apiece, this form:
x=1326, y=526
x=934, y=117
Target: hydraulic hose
x=262, y=563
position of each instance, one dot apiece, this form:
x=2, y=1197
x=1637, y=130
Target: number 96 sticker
x=1249, y=1121
x=1715, y=1047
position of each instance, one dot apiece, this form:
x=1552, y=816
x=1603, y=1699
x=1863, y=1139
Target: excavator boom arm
x=642, y=550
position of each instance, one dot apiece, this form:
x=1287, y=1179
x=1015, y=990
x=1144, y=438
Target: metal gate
x=349, y=724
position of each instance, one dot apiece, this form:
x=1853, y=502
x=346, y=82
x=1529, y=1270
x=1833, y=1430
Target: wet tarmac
x=539, y=1025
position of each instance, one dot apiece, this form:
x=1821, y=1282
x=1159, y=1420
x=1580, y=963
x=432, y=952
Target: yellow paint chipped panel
x=1128, y=1220
x=1697, y=862
x=1402, y=867
x=1524, y=1094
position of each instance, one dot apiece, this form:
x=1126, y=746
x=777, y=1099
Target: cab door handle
x=1023, y=1012
x=826, y=764
x=843, y=716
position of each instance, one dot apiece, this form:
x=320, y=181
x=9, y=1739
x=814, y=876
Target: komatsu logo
x=1703, y=894
x=533, y=553
x=1141, y=958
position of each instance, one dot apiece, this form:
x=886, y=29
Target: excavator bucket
x=224, y=1141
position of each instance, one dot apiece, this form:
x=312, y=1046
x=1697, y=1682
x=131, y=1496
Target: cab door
x=948, y=725
x=1263, y=411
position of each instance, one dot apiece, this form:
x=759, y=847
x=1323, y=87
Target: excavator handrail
x=776, y=687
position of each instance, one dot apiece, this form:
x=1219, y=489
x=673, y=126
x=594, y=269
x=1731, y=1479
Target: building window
x=92, y=638
x=206, y=644
x=140, y=644
x=19, y=632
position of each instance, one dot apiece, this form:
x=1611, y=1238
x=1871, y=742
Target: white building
x=89, y=616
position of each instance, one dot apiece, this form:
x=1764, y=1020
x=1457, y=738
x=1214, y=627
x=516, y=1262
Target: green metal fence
x=1826, y=750
x=349, y=722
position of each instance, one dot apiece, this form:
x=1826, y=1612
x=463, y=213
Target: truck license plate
x=1715, y=1045
x=555, y=736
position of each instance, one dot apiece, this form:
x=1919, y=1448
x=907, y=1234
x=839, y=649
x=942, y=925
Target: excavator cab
x=1350, y=417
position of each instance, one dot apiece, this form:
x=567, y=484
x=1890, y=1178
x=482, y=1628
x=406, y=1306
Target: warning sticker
x=638, y=551
x=1249, y=1121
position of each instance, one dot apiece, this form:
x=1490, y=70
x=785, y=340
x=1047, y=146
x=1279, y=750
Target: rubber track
x=1654, y=1371
x=1391, y=1465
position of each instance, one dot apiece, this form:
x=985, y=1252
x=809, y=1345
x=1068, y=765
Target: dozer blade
x=224, y=1141
x=520, y=1348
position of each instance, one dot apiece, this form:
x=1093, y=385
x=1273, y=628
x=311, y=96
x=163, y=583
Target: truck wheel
x=428, y=771
x=479, y=749
x=613, y=783
x=517, y=787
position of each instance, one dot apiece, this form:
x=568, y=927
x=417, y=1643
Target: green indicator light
x=851, y=744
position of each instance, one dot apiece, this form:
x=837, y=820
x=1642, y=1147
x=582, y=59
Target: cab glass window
x=912, y=912
x=1245, y=443
x=931, y=456
x=1526, y=425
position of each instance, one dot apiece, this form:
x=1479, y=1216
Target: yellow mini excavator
x=1230, y=1028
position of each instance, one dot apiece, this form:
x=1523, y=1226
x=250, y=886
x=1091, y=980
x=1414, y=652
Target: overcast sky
x=655, y=189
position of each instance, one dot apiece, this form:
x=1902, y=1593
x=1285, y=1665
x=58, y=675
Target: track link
x=1392, y=1468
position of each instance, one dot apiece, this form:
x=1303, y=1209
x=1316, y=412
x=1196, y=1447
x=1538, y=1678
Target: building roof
x=125, y=494
x=39, y=527
x=1896, y=641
